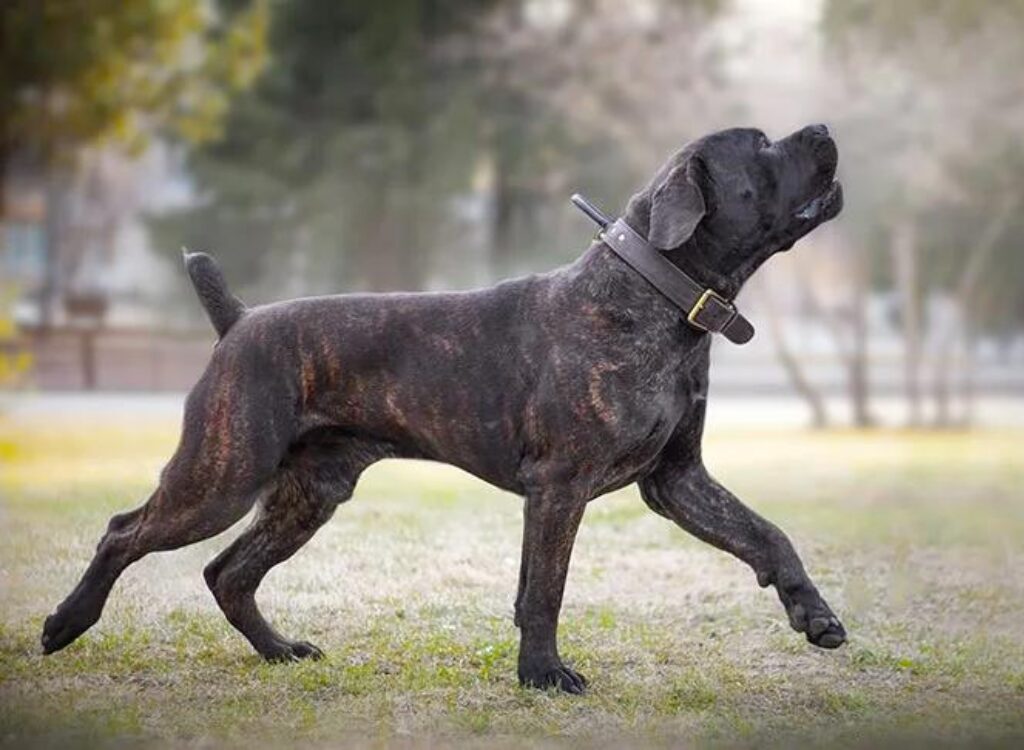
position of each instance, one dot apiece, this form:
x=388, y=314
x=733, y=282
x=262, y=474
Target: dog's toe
x=291, y=651
x=306, y=650
x=562, y=677
x=817, y=626
x=51, y=638
x=60, y=629
x=809, y=614
x=571, y=681
x=826, y=632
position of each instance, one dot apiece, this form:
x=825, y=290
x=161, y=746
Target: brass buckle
x=699, y=305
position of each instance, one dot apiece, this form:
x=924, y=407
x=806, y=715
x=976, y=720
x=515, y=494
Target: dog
x=559, y=387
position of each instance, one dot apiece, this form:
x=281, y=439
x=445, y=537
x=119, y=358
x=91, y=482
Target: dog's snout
x=817, y=141
x=812, y=139
x=819, y=130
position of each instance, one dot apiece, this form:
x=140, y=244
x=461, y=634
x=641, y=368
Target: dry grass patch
x=917, y=540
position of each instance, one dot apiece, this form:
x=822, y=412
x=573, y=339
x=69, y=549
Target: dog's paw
x=291, y=651
x=560, y=676
x=809, y=614
x=62, y=627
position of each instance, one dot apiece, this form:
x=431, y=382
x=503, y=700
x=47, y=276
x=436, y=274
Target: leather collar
x=705, y=309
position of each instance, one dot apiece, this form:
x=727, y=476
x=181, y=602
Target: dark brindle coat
x=558, y=387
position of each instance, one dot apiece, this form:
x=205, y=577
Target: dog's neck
x=601, y=280
x=697, y=257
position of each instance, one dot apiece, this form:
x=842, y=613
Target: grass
x=916, y=539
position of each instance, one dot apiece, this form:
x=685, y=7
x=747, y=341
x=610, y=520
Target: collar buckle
x=708, y=300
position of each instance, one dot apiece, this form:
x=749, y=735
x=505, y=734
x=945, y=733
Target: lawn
x=917, y=541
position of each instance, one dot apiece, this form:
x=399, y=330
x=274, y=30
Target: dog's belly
x=589, y=439
x=591, y=427
x=514, y=444
x=440, y=377
x=451, y=426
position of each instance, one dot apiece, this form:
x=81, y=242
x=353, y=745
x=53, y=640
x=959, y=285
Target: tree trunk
x=903, y=248
x=506, y=151
x=3, y=179
x=801, y=384
x=860, y=400
x=56, y=205
x=502, y=246
x=966, y=287
x=941, y=390
x=852, y=350
x=858, y=380
x=87, y=351
x=6, y=152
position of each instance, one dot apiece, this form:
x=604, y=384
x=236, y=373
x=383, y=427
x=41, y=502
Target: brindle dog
x=559, y=387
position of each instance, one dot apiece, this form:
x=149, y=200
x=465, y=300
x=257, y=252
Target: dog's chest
x=680, y=400
x=618, y=416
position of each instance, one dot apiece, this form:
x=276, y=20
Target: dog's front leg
x=687, y=494
x=549, y=529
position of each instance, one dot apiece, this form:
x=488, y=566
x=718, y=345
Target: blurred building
x=77, y=248
x=23, y=248
x=89, y=289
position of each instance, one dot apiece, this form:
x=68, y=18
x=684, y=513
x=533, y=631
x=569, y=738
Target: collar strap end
x=715, y=314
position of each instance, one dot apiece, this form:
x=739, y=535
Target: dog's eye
x=747, y=194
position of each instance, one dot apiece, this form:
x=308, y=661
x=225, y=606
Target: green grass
x=916, y=539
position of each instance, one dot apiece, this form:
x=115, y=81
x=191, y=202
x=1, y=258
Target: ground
x=917, y=541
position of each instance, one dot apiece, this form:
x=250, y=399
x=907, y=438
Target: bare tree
x=803, y=385
x=966, y=291
x=641, y=74
x=902, y=76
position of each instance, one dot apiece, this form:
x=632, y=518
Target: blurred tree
x=803, y=386
x=656, y=87
x=926, y=91
x=384, y=133
x=89, y=73
x=14, y=360
x=974, y=245
x=348, y=154
x=571, y=112
x=79, y=72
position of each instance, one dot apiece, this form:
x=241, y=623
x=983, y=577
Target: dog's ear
x=677, y=206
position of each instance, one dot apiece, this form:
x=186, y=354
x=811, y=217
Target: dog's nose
x=818, y=129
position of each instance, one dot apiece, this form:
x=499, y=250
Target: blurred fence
x=136, y=359
x=114, y=359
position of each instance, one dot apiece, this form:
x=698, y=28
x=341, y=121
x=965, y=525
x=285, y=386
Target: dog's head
x=725, y=203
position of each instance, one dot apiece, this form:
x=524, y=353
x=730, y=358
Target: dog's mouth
x=819, y=209
x=824, y=206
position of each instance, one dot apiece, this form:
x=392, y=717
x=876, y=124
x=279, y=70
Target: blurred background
x=316, y=146
x=320, y=146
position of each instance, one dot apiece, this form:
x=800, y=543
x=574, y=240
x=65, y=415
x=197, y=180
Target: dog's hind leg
x=213, y=479
x=313, y=480
x=166, y=521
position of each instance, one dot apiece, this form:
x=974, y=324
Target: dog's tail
x=223, y=308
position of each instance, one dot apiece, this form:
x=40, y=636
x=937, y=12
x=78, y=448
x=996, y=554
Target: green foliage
x=352, y=120
x=890, y=23
x=14, y=363
x=78, y=72
x=355, y=149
